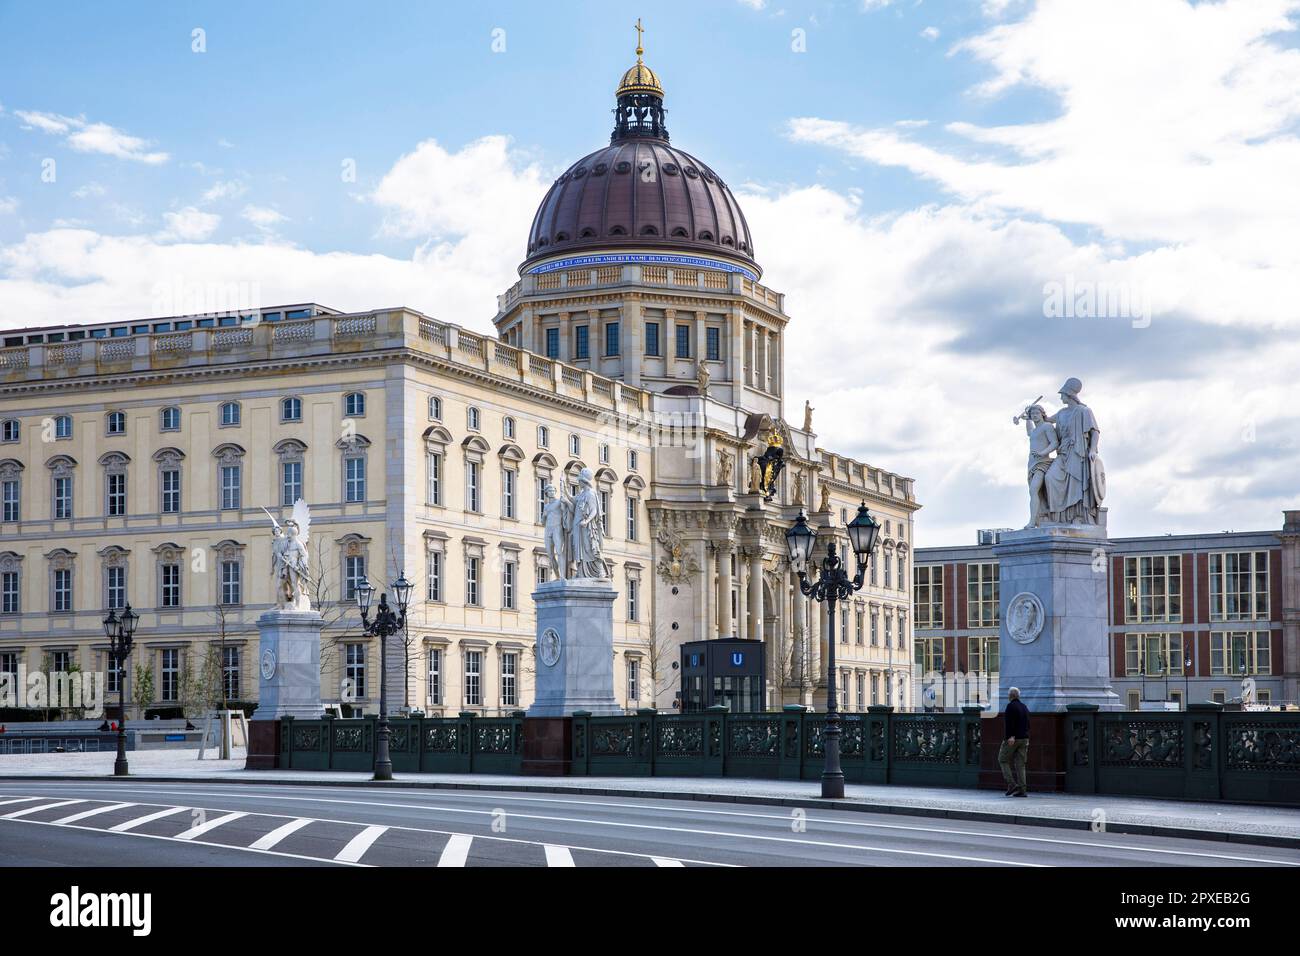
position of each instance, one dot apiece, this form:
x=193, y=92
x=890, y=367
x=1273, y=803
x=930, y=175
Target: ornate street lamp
x=833, y=584
x=120, y=632
x=387, y=622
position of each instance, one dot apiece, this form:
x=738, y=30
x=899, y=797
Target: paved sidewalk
x=1214, y=821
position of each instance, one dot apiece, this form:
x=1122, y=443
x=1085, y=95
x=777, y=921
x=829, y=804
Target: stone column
x=736, y=354
x=706, y=595
x=633, y=341
x=565, y=337
x=724, y=590
x=756, y=594
x=742, y=594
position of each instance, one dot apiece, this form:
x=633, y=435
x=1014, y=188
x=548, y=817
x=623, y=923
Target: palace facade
x=138, y=461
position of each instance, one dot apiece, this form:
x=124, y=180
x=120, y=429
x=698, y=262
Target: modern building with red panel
x=1191, y=617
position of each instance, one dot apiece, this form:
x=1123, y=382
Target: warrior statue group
x=574, y=529
x=1067, y=482
x=290, y=559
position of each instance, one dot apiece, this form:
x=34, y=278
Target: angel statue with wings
x=290, y=559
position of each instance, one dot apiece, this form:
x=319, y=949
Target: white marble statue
x=587, y=530
x=290, y=559
x=556, y=518
x=1067, y=481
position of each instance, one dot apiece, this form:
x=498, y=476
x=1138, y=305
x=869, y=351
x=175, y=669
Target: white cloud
x=8, y=205
x=228, y=189
x=88, y=190
x=263, y=218
x=190, y=224
x=87, y=137
x=754, y=4
x=930, y=33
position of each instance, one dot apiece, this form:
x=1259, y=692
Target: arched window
x=473, y=418
x=291, y=409
x=354, y=404
x=9, y=430
x=435, y=408
x=115, y=423
x=63, y=426
x=231, y=414
x=169, y=419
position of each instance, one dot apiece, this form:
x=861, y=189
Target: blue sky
x=915, y=178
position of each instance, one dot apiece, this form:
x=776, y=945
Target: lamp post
x=387, y=622
x=120, y=632
x=833, y=584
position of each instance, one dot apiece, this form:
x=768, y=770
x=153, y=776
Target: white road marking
x=44, y=806
x=203, y=828
x=20, y=800
x=558, y=856
x=91, y=813
x=664, y=861
x=147, y=818
x=359, y=844
x=279, y=833
x=456, y=852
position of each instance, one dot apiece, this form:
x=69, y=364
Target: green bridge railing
x=876, y=747
x=464, y=744
x=1203, y=753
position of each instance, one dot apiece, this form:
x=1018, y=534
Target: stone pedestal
x=575, y=648
x=1054, y=621
x=289, y=665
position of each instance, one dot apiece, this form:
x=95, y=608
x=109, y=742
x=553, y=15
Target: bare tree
x=660, y=651
x=337, y=622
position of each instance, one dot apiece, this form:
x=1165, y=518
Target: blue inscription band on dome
x=695, y=262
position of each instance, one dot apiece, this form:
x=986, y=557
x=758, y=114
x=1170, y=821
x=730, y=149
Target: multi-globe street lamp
x=387, y=622
x=833, y=584
x=120, y=632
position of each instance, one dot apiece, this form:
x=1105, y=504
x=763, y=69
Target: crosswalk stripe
x=558, y=856
x=147, y=818
x=359, y=844
x=456, y=852
x=664, y=861
x=279, y=833
x=203, y=828
x=94, y=812
x=44, y=806
x=20, y=800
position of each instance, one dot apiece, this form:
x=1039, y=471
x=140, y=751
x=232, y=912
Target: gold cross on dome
x=639, y=30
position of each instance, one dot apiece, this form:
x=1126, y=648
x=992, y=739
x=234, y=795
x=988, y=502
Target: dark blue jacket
x=1016, y=718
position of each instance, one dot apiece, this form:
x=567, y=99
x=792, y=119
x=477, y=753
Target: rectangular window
x=230, y=487
x=508, y=493
x=170, y=585
x=112, y=674
x=435, y=479
x=63, y=498
x=982, y=595
x=875, y=629
x=1239, y=586
x=9, y=598
x=541, y=484
x=171, y=672
x=509, y=680
x=581, y=346
x=683, y=341
x=230, y=582
x=929, y=655
x=633, y=585
x=171, y=491
x=982, y=654
x=116, y=495
x=1153, y=591
x=471, y=581
x=1153, y=655
x=508, y=575
x=435, y=575
x=652, y=339
x=611, y=339
x=713, y=343
x=553, y=343
x=543, y=574
x=472, y=470
x=858, y=621
x=927, y=596
x=889, y=569
x=354, y=672
x=230, y=672
x=631, y=518
x=433, y=666
x=1240, y=653
x=290, y=482
x=633, y=681
x=889, y=628
x=474, y=678
x=354, y=572
x=861, y=679
x=115, y=586
x=354, y=484
x=63, y=589
x=9, y=500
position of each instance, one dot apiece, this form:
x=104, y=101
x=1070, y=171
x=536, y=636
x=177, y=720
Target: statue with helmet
x=1067, y=479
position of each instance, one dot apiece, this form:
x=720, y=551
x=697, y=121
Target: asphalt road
x=201, y=824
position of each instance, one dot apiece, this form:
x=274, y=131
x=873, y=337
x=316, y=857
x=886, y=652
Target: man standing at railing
x=1014, y=751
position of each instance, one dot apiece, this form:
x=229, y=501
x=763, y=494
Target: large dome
x=640, y=192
